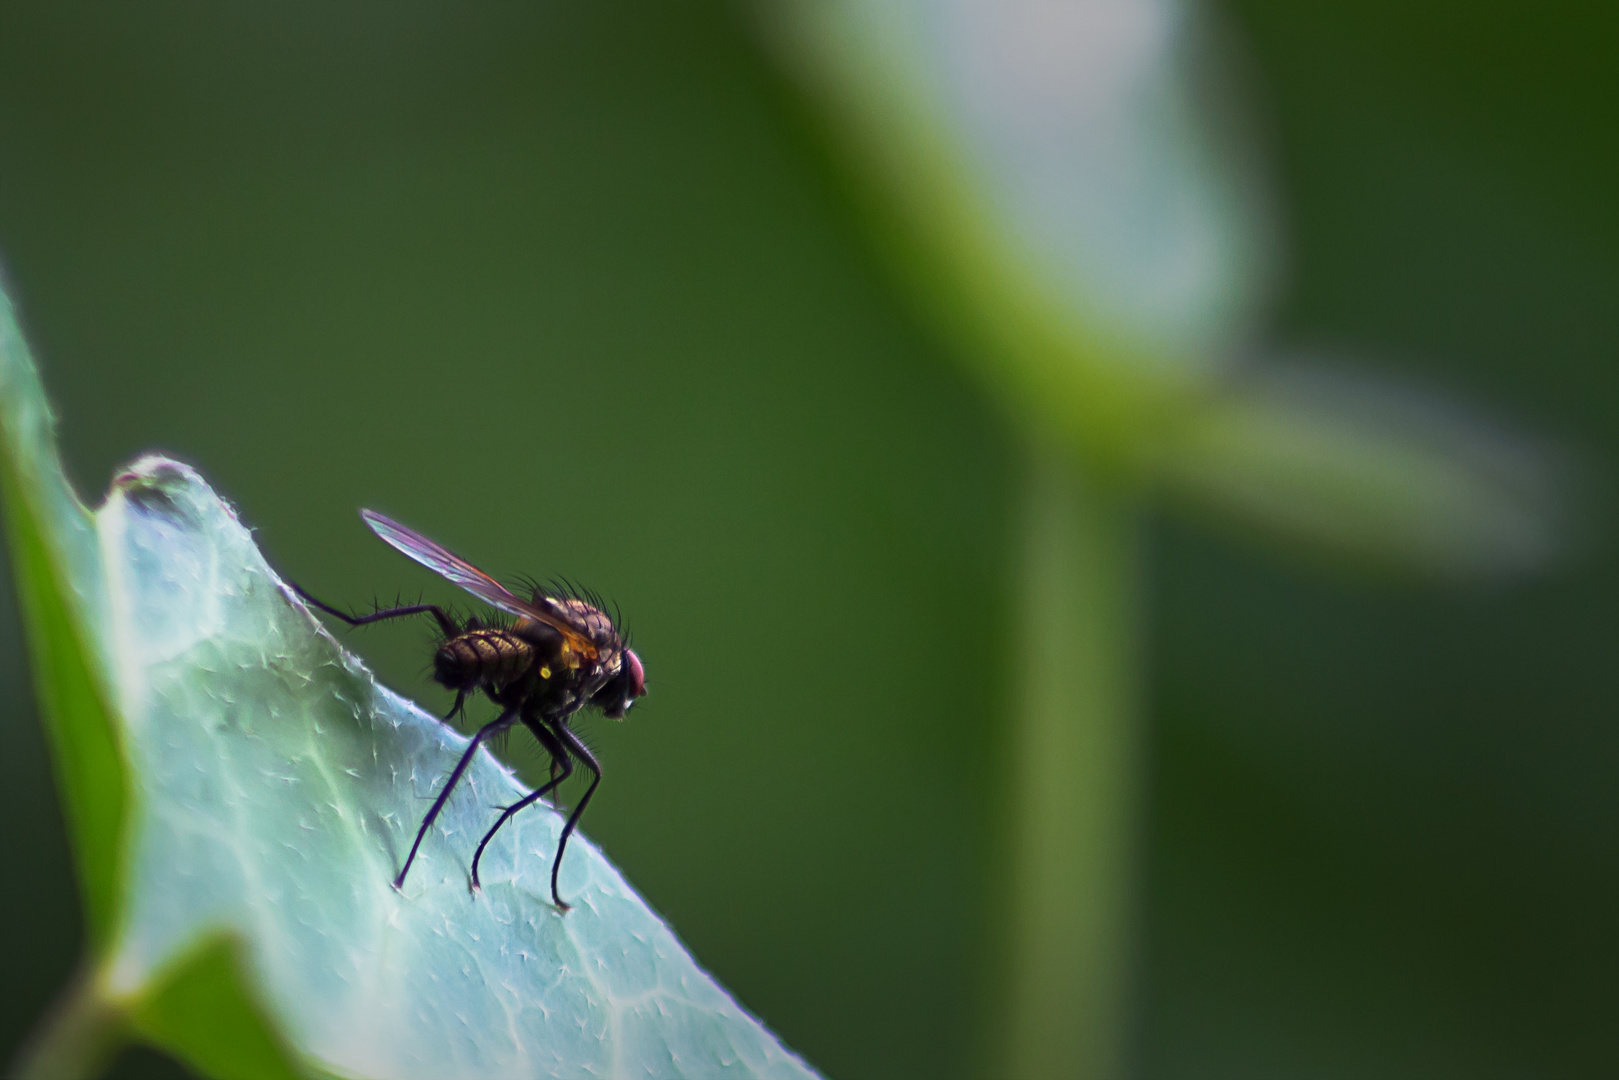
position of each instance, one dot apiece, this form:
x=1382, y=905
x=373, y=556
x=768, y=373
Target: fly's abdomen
x=482, y=658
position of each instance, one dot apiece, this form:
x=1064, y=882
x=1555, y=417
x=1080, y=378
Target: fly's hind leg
x=446, y=624
x=494, y=727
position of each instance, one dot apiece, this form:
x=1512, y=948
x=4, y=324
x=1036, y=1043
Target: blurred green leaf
x=200, y=1011
x=273, y=790
x=59, y=584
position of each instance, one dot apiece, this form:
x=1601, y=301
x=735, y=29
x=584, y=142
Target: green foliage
x=1070, y=196
x=91, y=773
x=246, y=921
x=52, y=546
x=1065, y=191
x=201, y=1012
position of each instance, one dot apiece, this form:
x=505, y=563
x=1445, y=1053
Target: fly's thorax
x=595, y=624
x=591, y=623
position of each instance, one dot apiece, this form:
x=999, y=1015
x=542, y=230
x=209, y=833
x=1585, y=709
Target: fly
x=560, y=655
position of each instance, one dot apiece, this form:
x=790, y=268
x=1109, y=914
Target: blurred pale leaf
x=1377, y=473
x=273, y=790
x=1088, y=142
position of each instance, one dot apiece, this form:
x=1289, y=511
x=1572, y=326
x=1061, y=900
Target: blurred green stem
x=1074, y=788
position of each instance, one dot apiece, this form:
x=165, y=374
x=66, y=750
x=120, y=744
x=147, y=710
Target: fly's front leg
x=561, y=769
x=579, y=751
x=445, y=623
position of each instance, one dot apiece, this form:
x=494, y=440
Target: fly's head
x=618, y=693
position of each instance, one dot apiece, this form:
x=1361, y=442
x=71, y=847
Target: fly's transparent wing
x=452, y=567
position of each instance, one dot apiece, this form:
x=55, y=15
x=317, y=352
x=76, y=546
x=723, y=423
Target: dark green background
x=572, y=289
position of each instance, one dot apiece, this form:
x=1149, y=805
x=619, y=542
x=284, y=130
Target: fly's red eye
x=637, y=674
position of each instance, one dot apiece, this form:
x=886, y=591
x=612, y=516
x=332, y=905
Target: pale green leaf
x=274, y=787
